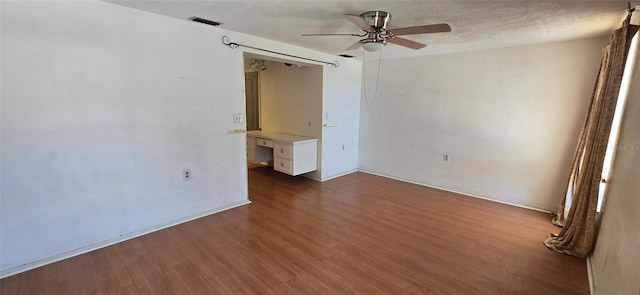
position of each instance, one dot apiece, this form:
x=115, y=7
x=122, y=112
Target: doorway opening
x=283, y=98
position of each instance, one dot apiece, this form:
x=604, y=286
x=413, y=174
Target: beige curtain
x=578, y=230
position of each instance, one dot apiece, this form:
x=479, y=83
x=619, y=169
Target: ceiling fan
x=376, y=35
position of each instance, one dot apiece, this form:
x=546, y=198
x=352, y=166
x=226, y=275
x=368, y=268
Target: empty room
x=319, y=147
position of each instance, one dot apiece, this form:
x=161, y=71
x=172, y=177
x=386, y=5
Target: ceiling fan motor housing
x=377, y=34
x=377, y=19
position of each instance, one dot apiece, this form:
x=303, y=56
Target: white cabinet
x=290, y=154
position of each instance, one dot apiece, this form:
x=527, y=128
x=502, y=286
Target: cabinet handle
x=281, y=164
x=264, y=142
x=282, y=151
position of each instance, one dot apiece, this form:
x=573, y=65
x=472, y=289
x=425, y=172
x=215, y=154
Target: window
x=617, y=119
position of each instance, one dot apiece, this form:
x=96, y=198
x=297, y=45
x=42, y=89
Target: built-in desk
x=290, y=154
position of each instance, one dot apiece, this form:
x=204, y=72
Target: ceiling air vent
x=204, y=21
x=346, y=55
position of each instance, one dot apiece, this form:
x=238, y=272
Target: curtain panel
x=578, y=229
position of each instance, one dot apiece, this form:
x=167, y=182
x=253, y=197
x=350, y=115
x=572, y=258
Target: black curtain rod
x=234, y=45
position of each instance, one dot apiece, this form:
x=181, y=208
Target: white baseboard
x=311, y=176
x=339, y=175
x=42, y=262
x=590, y=274
x=308, y=175
x=461, y=193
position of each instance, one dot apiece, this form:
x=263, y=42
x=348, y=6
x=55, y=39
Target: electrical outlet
x=343, y=147
x=445, y=158
x=186, y=174
x=238, y=118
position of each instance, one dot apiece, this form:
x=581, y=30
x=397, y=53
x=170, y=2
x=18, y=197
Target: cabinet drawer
x=283, y=165
x=264, y=142
x=283, y=151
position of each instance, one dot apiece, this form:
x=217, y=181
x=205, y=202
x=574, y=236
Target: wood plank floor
x=357, y=234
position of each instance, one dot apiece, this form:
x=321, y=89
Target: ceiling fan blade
x=332, y=35
x=354, y=45
x=407, y=43
x=360, y=22
x=437, y=28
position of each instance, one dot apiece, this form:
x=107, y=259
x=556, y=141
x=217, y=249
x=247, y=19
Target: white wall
x=507, y=118
x=341, y=108
x=102, y=108
x=615, y=260
x=291, y=98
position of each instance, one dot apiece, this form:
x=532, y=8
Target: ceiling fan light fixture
x=373, y=45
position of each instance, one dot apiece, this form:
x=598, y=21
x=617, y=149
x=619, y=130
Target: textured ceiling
x=475, y=24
